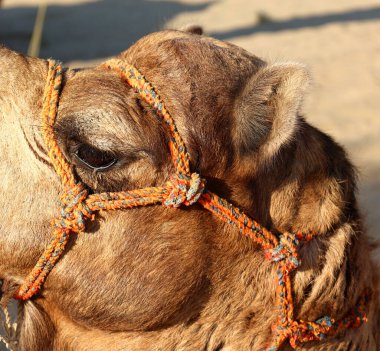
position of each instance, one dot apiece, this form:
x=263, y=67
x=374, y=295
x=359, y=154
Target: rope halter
x=183, y=188
x=74, y=210
x=287, y=249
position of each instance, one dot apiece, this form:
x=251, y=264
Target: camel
x=161, y=278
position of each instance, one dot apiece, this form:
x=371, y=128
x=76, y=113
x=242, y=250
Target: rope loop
x=74, y=210
x=300, y=332
x=287, y=250
x=184, y=190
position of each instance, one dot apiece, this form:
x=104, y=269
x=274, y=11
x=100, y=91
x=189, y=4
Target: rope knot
x=74, y=210
x=300, y=332
x=184, y=190
x=287, y=250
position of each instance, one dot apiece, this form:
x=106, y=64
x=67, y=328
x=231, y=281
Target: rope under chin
x=183, y=189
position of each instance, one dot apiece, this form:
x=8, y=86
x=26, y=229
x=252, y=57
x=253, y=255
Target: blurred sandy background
x=338, y=40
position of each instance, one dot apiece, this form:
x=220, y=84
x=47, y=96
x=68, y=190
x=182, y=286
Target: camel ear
x=192, y=28
x=267, y=108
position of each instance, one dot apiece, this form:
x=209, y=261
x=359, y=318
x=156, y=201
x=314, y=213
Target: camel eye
x=95, y=158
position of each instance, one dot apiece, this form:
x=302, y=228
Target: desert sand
x=339, y=41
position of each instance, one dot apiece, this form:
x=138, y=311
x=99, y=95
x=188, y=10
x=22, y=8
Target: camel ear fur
x=192, y=28
x=267, y=108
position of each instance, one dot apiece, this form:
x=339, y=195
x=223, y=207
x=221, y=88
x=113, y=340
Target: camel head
x=160, y=278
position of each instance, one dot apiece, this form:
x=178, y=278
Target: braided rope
x=134, y=78
x=232, y=215
x=49, y=114
x=184, y=188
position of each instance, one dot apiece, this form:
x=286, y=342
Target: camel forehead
x=150, y=41
x=155, y=55
x=181, y=50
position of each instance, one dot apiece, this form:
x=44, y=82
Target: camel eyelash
x=95, y=159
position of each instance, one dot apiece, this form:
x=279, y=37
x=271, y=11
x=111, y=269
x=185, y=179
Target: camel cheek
x=134, y=274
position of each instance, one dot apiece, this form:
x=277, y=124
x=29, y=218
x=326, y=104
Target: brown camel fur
x=179, y=279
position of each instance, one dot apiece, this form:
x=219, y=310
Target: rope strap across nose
x=183, y=188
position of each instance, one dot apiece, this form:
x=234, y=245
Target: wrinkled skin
x=179, y=279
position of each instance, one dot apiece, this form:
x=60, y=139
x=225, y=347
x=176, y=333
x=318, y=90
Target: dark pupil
x=95, y=158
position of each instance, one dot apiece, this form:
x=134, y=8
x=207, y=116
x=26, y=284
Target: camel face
x=116, y=143
x=156, y=257
x=167, y=277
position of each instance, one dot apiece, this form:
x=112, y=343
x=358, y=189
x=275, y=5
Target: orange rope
x=184, y=188
x=49, y=115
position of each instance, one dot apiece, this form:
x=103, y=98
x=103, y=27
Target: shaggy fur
x=179, y=279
